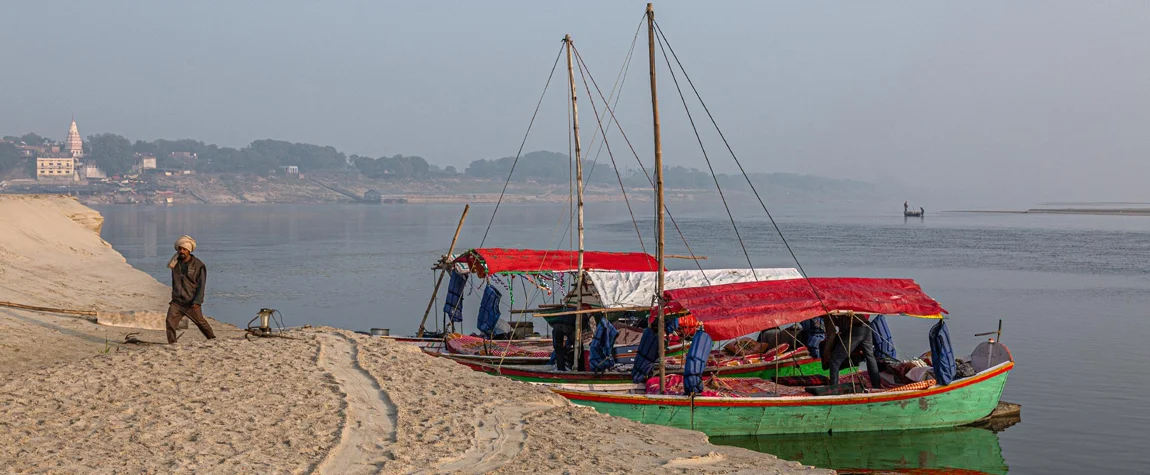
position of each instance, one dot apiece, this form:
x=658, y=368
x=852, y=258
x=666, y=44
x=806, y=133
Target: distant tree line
x=116, y=155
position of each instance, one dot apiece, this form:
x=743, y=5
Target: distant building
x=372, y=196
x=56, y=167
x=93, y=172
x=147, y=162
x=73, y=145
x=183, y=155
x=291, y=170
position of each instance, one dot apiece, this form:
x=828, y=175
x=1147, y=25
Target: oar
x=442, y=273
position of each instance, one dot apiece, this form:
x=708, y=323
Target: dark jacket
x=188, y=282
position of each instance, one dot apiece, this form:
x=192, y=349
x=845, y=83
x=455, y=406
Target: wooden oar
x=442, y=273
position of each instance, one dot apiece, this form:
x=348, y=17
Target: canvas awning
x=733, y=310
x=497, y=261
x=636, y=289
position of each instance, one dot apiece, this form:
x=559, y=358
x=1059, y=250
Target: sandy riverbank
x=329, y=401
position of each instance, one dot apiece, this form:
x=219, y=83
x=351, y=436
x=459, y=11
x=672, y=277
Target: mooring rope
x=521, y=145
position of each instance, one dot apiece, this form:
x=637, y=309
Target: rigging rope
x=590, y=99
x=619, y=127
x=707, y=158
x=742, y=170
x=521, y=145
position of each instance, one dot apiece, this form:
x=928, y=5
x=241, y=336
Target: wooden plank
x=592, y=310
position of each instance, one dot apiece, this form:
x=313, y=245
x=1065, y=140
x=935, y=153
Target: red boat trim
x=768, y=402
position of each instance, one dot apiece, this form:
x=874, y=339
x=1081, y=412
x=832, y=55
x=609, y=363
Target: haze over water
x=1071, y=290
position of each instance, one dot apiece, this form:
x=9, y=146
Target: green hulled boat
x=959, y=403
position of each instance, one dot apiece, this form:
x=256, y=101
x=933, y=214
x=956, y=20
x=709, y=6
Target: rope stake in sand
x=369, y=418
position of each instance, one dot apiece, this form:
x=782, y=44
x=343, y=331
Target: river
x=1072, y=292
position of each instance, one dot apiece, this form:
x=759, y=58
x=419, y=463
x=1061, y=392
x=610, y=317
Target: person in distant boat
x=189, y=279
x=853, y=333
x=905, y=206
x=921, y=212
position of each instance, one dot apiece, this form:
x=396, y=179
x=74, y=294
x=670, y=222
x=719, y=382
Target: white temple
x=73, y=145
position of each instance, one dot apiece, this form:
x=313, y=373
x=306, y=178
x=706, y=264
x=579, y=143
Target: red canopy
x=495, y=261
x=733, y=310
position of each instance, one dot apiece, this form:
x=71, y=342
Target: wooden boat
x=962, y=402
x=485, y=262
x=802, y=366
x=518, y=352
x=769, y=304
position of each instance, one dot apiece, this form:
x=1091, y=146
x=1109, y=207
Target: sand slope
x=51, y=255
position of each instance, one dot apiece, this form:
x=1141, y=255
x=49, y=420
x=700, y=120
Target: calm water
x=1073, y=292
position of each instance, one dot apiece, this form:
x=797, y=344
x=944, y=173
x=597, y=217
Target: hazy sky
x=1027, y=100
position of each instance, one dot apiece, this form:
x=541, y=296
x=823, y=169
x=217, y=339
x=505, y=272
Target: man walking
x=189, y=278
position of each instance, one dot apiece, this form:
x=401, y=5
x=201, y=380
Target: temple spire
x=74, y=145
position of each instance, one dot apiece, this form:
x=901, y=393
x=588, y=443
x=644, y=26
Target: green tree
x=111, y=152
x=33, y=139
x=9, y=157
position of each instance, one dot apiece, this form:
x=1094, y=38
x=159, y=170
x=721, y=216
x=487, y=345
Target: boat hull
x=960, y=403
x=804, y=366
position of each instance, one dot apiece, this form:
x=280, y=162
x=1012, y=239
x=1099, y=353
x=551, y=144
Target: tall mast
x=579, y=201
x=658, y=196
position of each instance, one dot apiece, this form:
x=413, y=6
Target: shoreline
x=75, y=398
x=1081, y=211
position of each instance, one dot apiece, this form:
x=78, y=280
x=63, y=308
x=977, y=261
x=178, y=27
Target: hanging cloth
x=489, y=311
x=603, y=346
x=645, y=357
x=813, y=337
x=941, y=354
x=883, y=340
x=453, y=305
x=696, y=363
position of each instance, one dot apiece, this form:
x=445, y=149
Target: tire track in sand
x=369, y=425
x=499, y=437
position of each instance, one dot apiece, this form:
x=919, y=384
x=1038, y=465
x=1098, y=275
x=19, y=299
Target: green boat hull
x=960, y=403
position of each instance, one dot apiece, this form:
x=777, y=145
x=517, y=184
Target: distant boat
x=907, y=212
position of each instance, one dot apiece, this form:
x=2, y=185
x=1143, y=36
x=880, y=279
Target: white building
x=93, y=172
x=56, y=167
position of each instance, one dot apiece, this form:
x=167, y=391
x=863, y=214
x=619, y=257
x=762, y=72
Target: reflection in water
x=954, y=450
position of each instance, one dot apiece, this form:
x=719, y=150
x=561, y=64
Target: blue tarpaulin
x=883, y=340
x=603, y=346
x=941, y=354
x=696, y=363
x=813, y=337
x=453, y=306
x=646, y=356
x=489, y=310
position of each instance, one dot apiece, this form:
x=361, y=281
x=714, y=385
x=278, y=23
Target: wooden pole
x=658, y=197
x=579, y=201
x=585, y=311
x=63, y=311
x=442, y=273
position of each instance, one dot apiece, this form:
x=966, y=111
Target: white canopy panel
x=636, y=289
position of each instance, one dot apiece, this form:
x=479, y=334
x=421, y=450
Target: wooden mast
x=442, y=272
x=658, y=199
x=579, y=201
